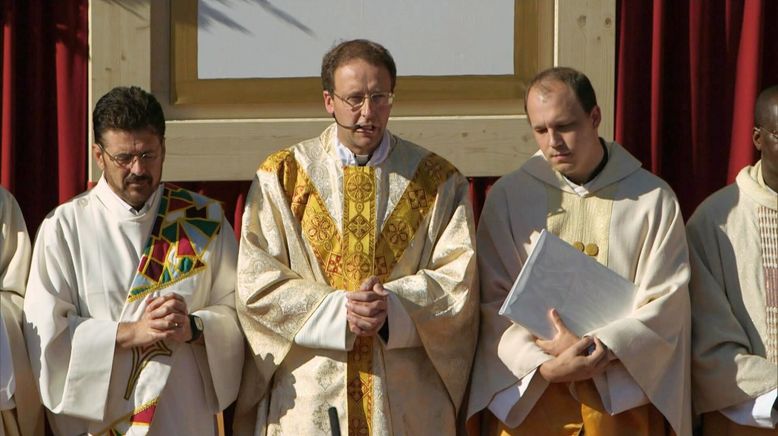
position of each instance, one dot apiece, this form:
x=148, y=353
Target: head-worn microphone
x=352, y=128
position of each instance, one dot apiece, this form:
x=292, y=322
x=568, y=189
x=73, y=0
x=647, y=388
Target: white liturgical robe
x=628, y=220
x=95, y=262
x=733, y=241
x=20, y=406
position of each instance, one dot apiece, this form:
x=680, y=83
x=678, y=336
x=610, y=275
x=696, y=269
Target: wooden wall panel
x=130, y=44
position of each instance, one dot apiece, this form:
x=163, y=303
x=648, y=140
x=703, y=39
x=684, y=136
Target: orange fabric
x=558, y=413
x=640, y=421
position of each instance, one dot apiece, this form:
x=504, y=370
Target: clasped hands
x=366, y=309
x=573, y=359
x=165, y=317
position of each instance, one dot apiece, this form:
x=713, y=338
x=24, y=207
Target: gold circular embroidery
x=592, y=249
x=398, y=232
x=357, y=266
x=578, y=245
x=359, y=187
x=320, y=229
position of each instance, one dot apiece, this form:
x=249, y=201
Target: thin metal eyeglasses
x=378, y=99
x=127, y=159
x=770, y=132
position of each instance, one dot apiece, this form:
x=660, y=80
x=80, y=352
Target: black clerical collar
x=601, y=165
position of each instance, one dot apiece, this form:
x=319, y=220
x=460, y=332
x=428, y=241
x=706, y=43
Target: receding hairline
x=548, y=86
x=576, y=82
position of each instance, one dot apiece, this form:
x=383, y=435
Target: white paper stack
x=586, y=294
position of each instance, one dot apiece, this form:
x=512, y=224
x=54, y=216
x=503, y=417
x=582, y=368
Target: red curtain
x=688, y=73
x=44, y=94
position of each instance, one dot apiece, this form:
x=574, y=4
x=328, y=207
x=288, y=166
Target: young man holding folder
x=593, y=195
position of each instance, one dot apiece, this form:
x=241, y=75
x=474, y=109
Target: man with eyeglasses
x=733, y=241
x=131, y=323
x=355, y=272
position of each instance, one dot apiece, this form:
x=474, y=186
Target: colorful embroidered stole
x=351, y=256
x=177, y=249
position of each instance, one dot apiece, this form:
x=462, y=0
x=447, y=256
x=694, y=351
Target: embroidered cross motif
x=355, y=389
x=360, y=187
x=357, y=266
x=321, y=229
x=398, y=232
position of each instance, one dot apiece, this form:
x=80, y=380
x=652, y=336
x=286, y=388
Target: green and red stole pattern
x=177, y=249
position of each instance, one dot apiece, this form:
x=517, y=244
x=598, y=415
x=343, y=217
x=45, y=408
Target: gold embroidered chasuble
x=629, y=221
x=313, y=226
x=732, y=242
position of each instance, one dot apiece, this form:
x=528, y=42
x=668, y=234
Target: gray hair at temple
x=128, y=109
x=574, y=79
x=371, y=52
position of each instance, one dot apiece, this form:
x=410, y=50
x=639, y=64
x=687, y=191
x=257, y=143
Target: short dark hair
x=369, y=51
x=764, y=101
x=574, y=79
x=128, y=109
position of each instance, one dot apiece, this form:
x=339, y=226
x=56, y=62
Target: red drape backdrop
x=44, y=97
x=688, y=73
x=687, y=76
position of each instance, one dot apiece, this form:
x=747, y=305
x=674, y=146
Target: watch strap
x=196, y=331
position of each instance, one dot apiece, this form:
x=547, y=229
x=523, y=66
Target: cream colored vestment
x=631, y=222
x=94, y=264
x=733, y=241
x=25, y=413
x=313, y=226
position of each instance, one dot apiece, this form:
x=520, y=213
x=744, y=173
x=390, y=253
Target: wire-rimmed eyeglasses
x=378, y=99
x=126, y=160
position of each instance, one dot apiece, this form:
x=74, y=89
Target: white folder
x=586, y=294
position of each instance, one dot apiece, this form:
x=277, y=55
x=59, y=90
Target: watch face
x=198, y=323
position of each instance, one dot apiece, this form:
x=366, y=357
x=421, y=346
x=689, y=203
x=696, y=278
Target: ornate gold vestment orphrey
x=358, y=251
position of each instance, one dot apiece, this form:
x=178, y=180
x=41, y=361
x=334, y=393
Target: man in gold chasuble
x=356, y=272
